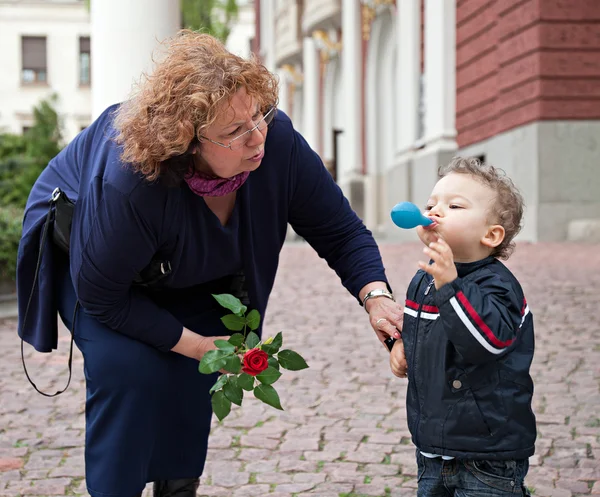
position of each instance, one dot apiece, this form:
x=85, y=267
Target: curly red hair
x=172, y=107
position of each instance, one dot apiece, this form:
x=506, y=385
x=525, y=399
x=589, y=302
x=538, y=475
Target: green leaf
x=253, y=319
x=252, y=340
x=246, y=382
x=225, y=346
x=236, y=339
x=219, y=383
x=269, y=376
x=273, y=363
x=274, y=346
x=221, y=405
x=291, y=360
x=268, y=395
x=212, y=361
x=229, y=302
x=233, y=322
x=233, y=365
x=232, y=303
x=233, y=392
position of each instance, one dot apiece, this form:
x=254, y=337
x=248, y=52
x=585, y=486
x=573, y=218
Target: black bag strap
x=47, y=225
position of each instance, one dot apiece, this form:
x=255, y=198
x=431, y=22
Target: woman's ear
x=494, y=236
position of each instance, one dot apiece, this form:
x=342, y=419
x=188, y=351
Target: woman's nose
x=256, y=138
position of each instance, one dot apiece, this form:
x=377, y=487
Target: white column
x=310, y=111
x=440, y=71
x=408, y=72
x=124, y=35
x=284, y=92
x=267, y=33
x=352, y=84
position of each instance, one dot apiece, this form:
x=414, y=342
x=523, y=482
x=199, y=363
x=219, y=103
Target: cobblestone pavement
x=343, y=431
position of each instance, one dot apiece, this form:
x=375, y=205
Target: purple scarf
x=209, y=186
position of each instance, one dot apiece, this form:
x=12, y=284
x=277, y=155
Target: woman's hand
x=386, y=318
x=398, y=360
x=195, y=346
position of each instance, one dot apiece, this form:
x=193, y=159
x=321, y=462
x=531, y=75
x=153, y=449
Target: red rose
x=255, y=362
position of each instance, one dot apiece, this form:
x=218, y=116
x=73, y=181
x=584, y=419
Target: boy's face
x=460, y=204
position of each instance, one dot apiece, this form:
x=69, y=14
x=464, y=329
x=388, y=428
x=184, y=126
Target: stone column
x=408, y=73
x=440, y=73
x=124, y=35
x=310, y=116
x=267, y=33
x=284, y=92
x=352, y=84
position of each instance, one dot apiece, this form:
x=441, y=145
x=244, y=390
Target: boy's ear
x=494, y=236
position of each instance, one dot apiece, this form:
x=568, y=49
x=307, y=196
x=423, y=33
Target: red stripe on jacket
x=479, y=322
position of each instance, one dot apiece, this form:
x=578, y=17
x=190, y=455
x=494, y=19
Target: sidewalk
x=343, y=431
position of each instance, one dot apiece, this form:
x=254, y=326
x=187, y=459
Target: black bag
x=61, y=235
x=58, y=223
x=63, y=217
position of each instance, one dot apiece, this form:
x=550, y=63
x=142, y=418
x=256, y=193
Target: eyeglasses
x=241, y=140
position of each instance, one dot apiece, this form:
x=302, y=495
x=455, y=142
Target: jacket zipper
x=415, y=355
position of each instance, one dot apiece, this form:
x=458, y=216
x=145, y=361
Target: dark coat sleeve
x=114, y=236
x=482, y=318
x=321, y=214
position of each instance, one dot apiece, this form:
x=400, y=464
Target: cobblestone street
x=343, y=431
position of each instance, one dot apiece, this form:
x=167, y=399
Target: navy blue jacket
x=122, y=221
x=469, y=347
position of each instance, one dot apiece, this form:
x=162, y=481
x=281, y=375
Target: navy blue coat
x=469, y=347
x=122, y=221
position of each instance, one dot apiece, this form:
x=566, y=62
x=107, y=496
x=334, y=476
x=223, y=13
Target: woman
x=199, y=173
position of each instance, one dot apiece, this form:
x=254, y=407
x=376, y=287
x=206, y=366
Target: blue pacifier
x=407, y=215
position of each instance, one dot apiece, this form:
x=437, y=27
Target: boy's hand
x=398, y=360
x=443, y=269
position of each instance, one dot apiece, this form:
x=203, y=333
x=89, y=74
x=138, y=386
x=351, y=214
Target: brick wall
x=520, y=61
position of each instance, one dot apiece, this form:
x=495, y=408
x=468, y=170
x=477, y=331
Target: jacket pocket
x=465, y=419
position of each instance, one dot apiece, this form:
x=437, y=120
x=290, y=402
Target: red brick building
x=519, y=62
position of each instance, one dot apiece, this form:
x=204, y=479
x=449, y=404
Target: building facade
x=45, y=50
x=387, y=90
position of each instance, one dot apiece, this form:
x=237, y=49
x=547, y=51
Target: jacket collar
x=465, y=268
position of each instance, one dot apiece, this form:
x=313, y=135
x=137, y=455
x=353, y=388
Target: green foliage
x=23, y=158
x=11, y=145
x=213, y=17
x=10, y=234
x=17, y=175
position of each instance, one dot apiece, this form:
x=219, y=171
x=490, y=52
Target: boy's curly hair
x=173, y=106
x=507, y=210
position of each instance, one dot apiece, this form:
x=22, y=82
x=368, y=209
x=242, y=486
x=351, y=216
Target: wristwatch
x=378, y=292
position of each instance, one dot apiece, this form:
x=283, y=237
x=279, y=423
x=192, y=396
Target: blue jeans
x=471, y=478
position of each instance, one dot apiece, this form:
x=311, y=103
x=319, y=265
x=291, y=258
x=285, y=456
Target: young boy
x=468, y=338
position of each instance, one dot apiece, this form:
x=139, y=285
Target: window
x=25, y=129
x=84, y=61
x=34, y=59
